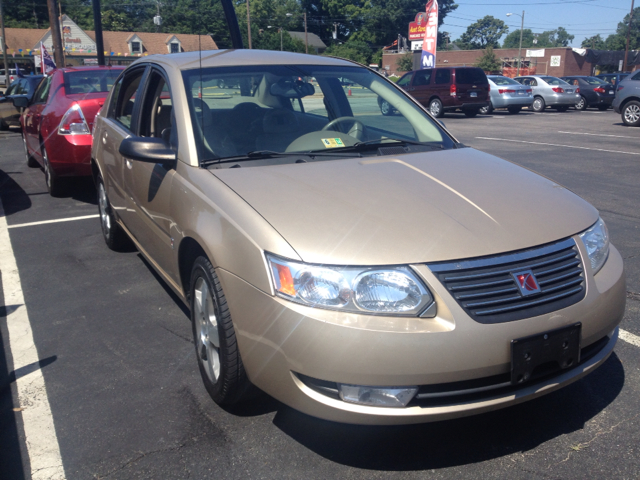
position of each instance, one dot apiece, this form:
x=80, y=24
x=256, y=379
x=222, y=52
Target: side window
x=405, y=80
x=423, y=77
x=125, y=98
x=533, y=82
x=443, y=76
x=157, y=118
x=42, y=93
x=636, y=76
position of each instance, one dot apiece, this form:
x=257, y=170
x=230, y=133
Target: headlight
x=596, y=241
x=377, y=290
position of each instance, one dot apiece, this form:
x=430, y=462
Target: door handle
x=104, y=138
x=129, y=163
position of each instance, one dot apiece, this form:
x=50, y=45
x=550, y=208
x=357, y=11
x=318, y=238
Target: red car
x=57, y=125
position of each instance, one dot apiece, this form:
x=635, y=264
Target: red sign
x=418, y=27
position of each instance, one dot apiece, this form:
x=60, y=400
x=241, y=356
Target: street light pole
x=248, y=25
x=520, y=47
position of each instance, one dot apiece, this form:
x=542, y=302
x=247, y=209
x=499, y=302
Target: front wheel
x=582, y=103
x=631, y=114
x=386, y=108
x=538, y=104
x=514, y=110
x=435, y=107
x=217, y=351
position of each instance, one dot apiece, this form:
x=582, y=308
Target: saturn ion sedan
x=358, y=267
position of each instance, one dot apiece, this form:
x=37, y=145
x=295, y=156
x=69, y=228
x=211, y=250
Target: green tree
x=554, y=38
x=596, y=42
x=270, y=39
x=116, y=22
x=618, y=40
x=513, y=39
x=405, y=63
x=489, y=62
x=482, y=34
x=353, y=50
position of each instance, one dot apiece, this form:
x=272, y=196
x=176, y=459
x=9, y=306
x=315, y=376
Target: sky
x=582, y=18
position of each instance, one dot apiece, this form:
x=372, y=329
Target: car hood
x=414, y=208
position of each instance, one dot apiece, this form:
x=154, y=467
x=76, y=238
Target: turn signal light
x=599, y=89
x=558, y=89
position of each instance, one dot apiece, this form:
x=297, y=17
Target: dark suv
x=446, y=89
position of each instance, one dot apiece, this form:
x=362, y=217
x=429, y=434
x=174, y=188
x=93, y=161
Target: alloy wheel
x=47, y=168
x=206, y=324
x=537, y=105
x=103, y=205
x=632, y=114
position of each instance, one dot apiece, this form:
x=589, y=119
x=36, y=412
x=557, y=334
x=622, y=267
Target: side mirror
x=147, y=149
x=20, y=101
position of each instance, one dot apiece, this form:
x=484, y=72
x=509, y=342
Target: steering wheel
x=357, y=130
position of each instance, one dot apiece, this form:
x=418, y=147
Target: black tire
x=435, y=107
x=229, y=383
x=538, y=105
x=630, y=114
x=471, y=113
x=31, y=162
x=486, y=110
x=602, y=108
x=582, y=103
x=562, y=109
x=114, y=236
x=385, y=108
x=54, y=183
x=3, y=126
x=514, y=110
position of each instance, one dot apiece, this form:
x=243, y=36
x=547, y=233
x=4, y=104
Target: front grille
x=487, y=291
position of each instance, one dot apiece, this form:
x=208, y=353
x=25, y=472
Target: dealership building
x=120, y=48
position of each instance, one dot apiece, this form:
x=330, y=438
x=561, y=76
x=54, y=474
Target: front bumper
x=281, y=343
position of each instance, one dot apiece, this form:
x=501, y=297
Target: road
x=114, y=350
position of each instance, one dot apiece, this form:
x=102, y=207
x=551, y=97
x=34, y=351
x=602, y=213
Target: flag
x=18, y=72
x=47, y=63
x=430, y=36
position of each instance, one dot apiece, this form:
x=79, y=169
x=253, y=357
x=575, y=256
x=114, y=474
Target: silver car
x=550, y=92
x=507, y=93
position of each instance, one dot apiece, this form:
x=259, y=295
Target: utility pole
x=248, y=24
x=55, y=33
x=97, y=22
x=306, y=38
x=4, y=47
x=64, y=56
x=626, y=50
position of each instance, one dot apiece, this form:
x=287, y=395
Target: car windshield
x=90, y=81
x=503, y=81
x=553, y=81
x=249, y=110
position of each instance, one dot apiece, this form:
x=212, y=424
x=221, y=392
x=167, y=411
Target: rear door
x=441, y=84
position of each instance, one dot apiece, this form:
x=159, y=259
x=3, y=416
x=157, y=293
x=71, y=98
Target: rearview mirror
x=20, y=101
x=147, y=149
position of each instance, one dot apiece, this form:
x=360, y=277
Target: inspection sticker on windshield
x=332, y=142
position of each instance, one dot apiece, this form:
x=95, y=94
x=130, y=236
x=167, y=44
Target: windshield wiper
x=260, y=154
x=383, y=141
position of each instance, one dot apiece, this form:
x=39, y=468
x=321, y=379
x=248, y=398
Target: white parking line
x=39, y=431
x=630, y=338
x=58, y=220
x=558, y=145
x=598, y=134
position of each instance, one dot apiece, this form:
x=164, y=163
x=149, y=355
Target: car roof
x=244, y=57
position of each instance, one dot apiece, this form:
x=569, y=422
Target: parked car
x=594, y=92
x=57, y=125
x=507, y=93
x=550, y=92
x=613, y=78
x=627, y=101
x=25, y=86
x=447, y=89
x=12, y=76
x=358, y=269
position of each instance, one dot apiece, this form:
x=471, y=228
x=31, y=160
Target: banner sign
x=47, y=62
x=535, y=53
x=430, y=36
x=418, y=27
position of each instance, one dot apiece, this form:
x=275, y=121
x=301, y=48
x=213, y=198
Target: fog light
x=377, y=396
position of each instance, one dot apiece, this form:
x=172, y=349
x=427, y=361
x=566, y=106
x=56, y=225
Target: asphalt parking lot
x=114, y=352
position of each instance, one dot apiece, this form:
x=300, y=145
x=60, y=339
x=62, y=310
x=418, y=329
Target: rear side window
x=404, y=81
x=423, y=77
x=90, y=81
x=636, y=76
x=469, y=76
x=443, y=76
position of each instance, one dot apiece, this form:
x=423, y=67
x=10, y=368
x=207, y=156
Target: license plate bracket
x=561, y=346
